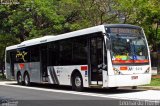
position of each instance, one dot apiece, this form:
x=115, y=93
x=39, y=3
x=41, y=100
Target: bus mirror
x=104, y=67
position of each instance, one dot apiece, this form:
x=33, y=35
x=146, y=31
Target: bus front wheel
x=77, y=82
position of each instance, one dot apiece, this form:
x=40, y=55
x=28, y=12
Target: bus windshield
x=127, y=49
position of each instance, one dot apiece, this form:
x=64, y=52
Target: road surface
x=12, y=94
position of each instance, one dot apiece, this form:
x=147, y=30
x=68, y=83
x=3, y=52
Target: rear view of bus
x=129, y=56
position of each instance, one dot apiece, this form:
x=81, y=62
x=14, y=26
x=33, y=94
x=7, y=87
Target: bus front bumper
x=128, y=80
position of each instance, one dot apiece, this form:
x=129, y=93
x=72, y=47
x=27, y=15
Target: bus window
x=80, y=51
x=65, y=54
x=53, y=54
x=34, y=54
x=8, y=57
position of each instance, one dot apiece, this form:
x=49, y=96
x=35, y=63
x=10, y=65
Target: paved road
x=49, y=95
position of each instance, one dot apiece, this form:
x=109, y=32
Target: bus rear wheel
x=19, y=79
x=77, y=82
x=27, y=79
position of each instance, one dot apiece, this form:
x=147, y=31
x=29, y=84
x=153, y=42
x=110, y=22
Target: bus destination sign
x=131, y=31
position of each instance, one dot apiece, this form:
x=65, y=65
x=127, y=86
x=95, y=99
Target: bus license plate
x=134, y=77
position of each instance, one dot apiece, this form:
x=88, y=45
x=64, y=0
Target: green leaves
x=144, y=13
x=35, y=18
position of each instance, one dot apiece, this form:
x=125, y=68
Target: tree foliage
x=36, y=18
x=144, y=13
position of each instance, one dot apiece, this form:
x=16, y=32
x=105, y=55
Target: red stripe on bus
x=141, y=61
x=122, y=61
x=129, y=61
x=84, y=68
x=21, y=65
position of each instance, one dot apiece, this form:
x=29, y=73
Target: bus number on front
x=138, y=68
x=135, y=68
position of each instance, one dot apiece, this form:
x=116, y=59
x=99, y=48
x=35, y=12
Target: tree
x=36, y=18
x=144, y=13
x=29, y=19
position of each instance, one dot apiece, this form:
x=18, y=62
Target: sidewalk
x=155, y=76
x=149, y=87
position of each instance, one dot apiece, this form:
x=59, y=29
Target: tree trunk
x=3, y=72
x=2, y=64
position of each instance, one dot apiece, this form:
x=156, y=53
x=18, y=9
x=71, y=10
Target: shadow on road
x=88, y=90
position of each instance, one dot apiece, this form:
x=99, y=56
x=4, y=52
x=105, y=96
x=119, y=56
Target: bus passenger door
x=96, y=59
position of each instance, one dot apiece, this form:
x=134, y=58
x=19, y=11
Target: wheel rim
x=78, y=81
x=19, y=78
x=26, y=80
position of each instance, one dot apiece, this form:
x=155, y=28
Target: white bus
x=104, y=56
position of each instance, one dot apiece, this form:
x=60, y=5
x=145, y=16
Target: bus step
x=45, y=83
x=96, y=86
x=45, y=79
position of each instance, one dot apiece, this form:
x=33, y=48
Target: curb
x=149, y=87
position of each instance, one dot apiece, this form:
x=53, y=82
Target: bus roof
x=49, y=38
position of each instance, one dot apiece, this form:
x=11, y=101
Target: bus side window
x=8, y=57
x=34, y=54
x=65, y=48
x=80, y=49
x=100, y=49
x=53, y=54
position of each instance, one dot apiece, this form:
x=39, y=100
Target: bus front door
x=96, y=59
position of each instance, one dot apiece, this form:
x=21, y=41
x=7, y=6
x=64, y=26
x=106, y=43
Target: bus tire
x=27, y=79
x=19, y=79
x=77, y=82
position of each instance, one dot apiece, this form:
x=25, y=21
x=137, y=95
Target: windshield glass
x=128, y=49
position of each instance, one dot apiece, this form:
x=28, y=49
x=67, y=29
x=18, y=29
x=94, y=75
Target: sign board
x=154, y=70
x=131, y=31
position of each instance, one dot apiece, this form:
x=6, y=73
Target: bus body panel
x=64, y=73
x=131, y=69
x=128, y=80
x=35, y=72
x=110, y=66
x=105, y=78
x=8, y=71
x=32, y=68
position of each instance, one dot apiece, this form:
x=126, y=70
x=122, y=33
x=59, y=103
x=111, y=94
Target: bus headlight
x=116, y=71
x=148, y=70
